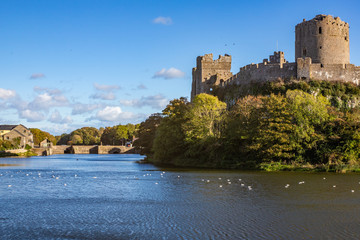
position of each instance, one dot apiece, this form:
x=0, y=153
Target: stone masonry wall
x=328, y=72
x=263, y=73
x=209, y=72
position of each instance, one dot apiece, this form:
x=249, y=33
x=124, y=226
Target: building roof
x=7, y=127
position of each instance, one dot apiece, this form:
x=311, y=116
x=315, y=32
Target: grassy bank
x=26, y=154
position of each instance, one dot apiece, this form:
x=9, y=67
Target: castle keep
x=322, y=52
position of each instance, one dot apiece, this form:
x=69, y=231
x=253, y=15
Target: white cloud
x=141, y=87
x=163, y=20
x=56, y=117
x=157, y=102
x=37, y=75
x=104, y=96
x=46, y=100
x=80, y=108
x=106, y=88
x=31, y=116
x=169, y=73
x=113, y=114
x=6, y=94
x=52, y=91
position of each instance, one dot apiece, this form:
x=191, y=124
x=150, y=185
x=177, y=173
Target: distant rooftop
x=7, y=127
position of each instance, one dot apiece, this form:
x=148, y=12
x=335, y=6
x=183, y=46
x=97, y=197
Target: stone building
x=12, y=132
x=322, y=52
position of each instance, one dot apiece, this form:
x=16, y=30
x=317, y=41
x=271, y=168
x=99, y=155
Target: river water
x=113, y=197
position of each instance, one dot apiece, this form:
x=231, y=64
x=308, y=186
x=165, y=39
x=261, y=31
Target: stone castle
x=322, y=52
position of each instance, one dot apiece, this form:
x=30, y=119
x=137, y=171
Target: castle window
x=304, y=52
x=345, y=38
x=320, y=47
x=322, y=65
x=320, y=30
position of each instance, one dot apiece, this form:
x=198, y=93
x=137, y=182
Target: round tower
x=324, y=39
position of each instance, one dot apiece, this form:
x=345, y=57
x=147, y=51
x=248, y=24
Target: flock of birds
x=324, y=178
x=162, y=174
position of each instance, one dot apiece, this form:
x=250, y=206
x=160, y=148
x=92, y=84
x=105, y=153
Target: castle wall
x=328, y=72
x=257, y=73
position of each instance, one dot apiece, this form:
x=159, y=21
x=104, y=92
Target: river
x=113, y=197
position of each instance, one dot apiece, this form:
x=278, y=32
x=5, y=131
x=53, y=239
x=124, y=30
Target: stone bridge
x=80, y=149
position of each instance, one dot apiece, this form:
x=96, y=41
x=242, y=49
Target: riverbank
x=22, y=154
x=263, y=167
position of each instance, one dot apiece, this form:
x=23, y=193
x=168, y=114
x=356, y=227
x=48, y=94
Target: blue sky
x=65, y=64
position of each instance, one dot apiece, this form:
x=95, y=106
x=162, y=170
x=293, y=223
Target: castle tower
x=324, y=39
x=209, y=72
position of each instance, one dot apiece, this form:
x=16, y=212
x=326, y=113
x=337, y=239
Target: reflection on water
x=8, y=165
x=113, y=197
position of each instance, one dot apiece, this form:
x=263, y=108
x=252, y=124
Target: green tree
x=121, y=133
x=169, y=143
x=205, y=117
x=242, y=123
x=39, y=136
x=146, y=134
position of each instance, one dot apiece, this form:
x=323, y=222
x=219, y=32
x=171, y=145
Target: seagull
x=334, y=185
x=352, y=190
x=220, y=186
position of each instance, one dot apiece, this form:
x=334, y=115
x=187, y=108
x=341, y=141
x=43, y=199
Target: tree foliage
x=146, y=134
x=39, y=136
x=272, y=126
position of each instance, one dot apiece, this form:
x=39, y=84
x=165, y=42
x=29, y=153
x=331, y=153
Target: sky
x=67, y=64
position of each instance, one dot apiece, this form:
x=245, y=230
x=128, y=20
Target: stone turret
x=324, y=39
x=209, y=72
